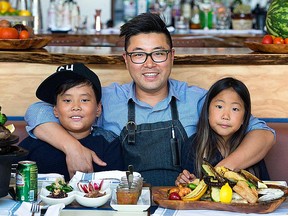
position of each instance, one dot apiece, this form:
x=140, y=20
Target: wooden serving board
x=160, y=198
x=267, y=48
x=23, y=44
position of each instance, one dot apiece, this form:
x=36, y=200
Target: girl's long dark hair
x=207, y=141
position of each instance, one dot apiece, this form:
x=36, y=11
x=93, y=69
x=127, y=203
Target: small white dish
x=93, y=202
x=51, y=201
x=143, y=203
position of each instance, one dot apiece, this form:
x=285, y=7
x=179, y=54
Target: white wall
x=87, y=8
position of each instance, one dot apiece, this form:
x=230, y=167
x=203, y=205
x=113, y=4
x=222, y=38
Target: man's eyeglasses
x=141, y=57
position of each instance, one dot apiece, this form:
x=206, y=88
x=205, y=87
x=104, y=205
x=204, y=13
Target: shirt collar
x=172, y=92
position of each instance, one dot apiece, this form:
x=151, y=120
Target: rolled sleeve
x=257, y=124
x=38, y=113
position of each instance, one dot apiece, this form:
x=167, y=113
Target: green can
x=26, y=181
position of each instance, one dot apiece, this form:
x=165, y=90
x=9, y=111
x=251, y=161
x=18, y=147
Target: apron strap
x=176, y=154
x=174, y=111
x=131, y=125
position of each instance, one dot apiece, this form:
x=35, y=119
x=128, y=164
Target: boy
x=75, y=92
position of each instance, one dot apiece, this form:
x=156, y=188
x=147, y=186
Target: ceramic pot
x=5, y=167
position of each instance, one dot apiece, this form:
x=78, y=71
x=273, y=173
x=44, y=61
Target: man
x=153, y=115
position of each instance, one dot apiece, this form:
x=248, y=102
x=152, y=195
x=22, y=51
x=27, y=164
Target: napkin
x=8, y=206
x=54, y=210
x=114, y=175
x=24, y=210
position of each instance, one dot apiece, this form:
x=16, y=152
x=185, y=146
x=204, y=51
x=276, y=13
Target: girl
x=222, y=126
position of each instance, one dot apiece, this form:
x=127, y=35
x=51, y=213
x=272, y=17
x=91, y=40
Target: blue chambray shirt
x=114, y=116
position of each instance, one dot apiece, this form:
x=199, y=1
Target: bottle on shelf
x=129, y=9
x=66, y=15
x=37, y=13
x=186, y=9
x=98, y=20
x=195, y=18
x=59, y=14
x=142, y=6
x=75, y=16
x=51, y=15
x=206, y=14
x=176, y=11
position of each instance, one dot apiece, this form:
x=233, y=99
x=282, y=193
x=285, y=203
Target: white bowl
x=51, y=201
x=93, y=202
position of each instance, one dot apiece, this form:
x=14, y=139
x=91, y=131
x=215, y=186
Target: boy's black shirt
x=52, y=160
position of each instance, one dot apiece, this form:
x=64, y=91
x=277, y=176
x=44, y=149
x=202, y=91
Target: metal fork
x=35, y=207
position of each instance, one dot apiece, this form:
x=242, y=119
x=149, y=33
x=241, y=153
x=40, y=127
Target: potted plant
x=242, y=17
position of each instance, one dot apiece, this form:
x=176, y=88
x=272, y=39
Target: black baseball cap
x=47, y=89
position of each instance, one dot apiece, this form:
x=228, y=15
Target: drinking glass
x=160, y=6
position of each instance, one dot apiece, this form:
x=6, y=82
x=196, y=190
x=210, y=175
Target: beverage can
x=26, y=181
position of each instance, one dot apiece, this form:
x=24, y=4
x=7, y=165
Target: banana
x=197, y=193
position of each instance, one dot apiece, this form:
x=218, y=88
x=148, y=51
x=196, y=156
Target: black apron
x=154, y=149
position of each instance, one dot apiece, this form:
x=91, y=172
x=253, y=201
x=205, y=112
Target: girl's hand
x=184, y=177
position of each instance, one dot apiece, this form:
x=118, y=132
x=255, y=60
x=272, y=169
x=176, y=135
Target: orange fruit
x=278, y=40
x=24, y=34
x=9, y=33
x=5, y=23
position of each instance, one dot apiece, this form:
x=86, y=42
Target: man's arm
x=41, y=123
x=78, y=157
x=252, y=149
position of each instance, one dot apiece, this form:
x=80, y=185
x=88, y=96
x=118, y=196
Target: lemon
x=24, y=13
x=226, y=193
x=10, y=127
x=4, y=6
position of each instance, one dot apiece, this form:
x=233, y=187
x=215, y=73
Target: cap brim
x=47, y=89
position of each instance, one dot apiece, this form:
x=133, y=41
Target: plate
x=267, y=48
x=92, y=202
x=22, y=44
x=160, y=198
x=142, y=204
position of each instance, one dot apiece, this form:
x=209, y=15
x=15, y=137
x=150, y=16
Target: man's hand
x=80, y=158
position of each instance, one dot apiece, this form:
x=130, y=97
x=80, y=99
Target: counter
x=193, y=38
x=264, y=74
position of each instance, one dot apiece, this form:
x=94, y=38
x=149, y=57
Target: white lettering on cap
x=66, y=67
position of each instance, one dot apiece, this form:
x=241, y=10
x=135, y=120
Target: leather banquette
x=276, y=160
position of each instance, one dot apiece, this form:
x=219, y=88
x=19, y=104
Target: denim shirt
x=115, y=98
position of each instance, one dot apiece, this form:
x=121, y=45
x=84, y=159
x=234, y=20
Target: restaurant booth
x=200, y=59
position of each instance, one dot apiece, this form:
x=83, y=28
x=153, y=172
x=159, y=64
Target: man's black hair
x=144, y=23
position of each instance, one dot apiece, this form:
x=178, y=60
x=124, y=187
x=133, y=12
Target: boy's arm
x=252, y=149
x=78, y=158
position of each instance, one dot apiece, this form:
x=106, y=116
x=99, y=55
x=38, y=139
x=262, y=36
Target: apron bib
x=154, y=149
